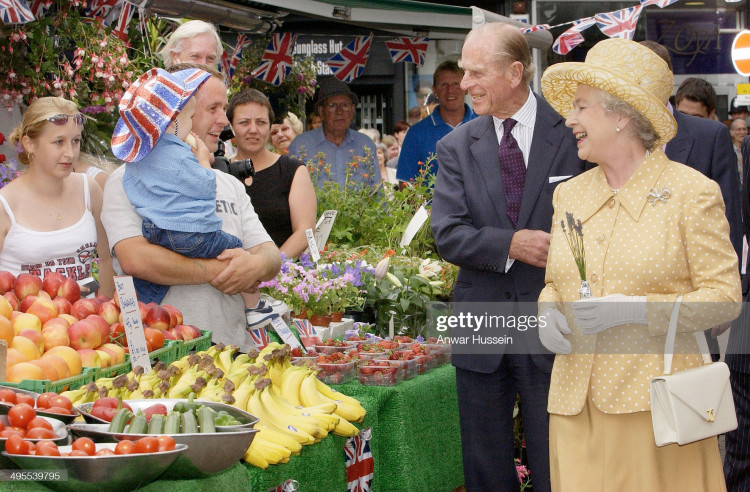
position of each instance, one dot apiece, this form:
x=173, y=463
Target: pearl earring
x=617, y=129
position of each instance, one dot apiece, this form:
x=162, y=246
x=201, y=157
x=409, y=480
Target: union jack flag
x=15, y=12
x=276, y=62
x=620, y=23
x=307, y=333
x=659, y=3
x=408, y=50
x=287, y=486
x=572, y=37
x=123, y=22
x=359, y=462
x=349, y=63
x=260, y=337
x=242, y=43
x=101, y=8
x=539, y=27
x=224, y=67
x=39, y=7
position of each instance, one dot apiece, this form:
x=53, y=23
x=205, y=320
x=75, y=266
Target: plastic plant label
x=323, y=227
x=131, y=320
x=284, y=332
x=312, y=246
x=415, y=224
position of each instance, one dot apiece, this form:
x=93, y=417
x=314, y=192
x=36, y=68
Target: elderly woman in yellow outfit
x=653, y=229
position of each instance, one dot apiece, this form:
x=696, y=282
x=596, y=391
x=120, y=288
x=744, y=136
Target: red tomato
x=62, y=402
x=20, y=415
x=166, y=443
x=78, y=452
x=8, y=396
x=5, y=433
x=40, y=433
x=147, y=445
x=104, y=452
x=125, y=447
x=47, y=448
x=20, y=430
x=38, y=422
x=43, y=400
x=154, y=337
x=22, y=398
x=16, y=445
x=85, y=444
x=2, y=427
x=60, y=410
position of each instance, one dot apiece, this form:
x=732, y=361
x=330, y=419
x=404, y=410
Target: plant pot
x=301, y=315
x=320, y=320
x=337, y=316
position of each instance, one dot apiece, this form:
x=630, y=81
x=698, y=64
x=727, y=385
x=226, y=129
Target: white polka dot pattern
x=632, y=247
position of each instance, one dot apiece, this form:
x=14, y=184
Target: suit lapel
x=678, y=149
x=484, y=150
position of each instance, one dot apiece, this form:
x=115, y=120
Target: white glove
x=551, y=334
x=597, y=314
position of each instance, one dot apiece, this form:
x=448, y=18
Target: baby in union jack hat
x=170, y=182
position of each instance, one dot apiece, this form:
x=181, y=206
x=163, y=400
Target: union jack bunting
x=572, y=37
x=101, y=8
x=260, y=337
x=305, y=328
x=408, y=50
x=15, y=12
x=349, y=63
x=123, y=22
x=538, y=27
x=659, y=3
x=359, y=462
x=276, y=62
x=242, y=43
x=224, y=67
x=39, y=7
x=620, y=23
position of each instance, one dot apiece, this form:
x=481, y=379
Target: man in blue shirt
x=422, y=138
x=334, y=148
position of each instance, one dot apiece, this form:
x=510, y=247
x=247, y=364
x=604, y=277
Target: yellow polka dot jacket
x=663, y=234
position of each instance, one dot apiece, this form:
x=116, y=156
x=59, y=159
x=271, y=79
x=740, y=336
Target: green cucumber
x=119, y=420
x=206, y=420
x=172, y=423
x=139, y=424
x=189, y=424
x=156, y=426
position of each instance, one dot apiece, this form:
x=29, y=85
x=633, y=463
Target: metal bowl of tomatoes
x=10, y=425
x=62, y=408
x=98, y=472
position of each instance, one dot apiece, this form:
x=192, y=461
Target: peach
x=35, y=337
x=27, y=285
x=102, y=325
x=84, y=335
x=5, y=308
x=90, y=357
x=63, y=305
x=175, y=315
x=55, y=335
x=84, y=307
x=105, y=356
x=13, y=357
x=143, y=308
x=7, y=280
x=189, y=332
x=70, y=290
x=157, y=317
x=43, y=308
x=56, y=321
x=23, y=321
x=52, y=282
x=173, y=334
x=70, y=356
x=63, y=371
x=109, y=312
x=68, y=317
x=13, y=300
x=44, y=295
x=101, y=299
x=24, y=370
x=119, y=352
x=26, y=347
x=26, y=303
x=48, y=369
x=6, y=330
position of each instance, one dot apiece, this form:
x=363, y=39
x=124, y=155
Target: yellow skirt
x=602, y=452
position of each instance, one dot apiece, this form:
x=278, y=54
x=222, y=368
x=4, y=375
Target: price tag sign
x=131, y=320
x=415, y=224
x=284, y=332
x=312, y=246
x=323, y=228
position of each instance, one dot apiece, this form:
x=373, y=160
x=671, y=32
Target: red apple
x=172, y=334
x=63, y=305
x=70, y=290
x=27, y=284
x=109, y=312
x=83, y=308
x=13, y=300
x=143, y=308
x=175, y=315
x=101, y=299
x=52, y=282
x=27, y=302
x=89, y=357
x=7, y=280
x=157, y=317
x=84, y=334
x=188, y=332
x=55, y=335
x=103, y=327
x=43, y=308
x=34, y=336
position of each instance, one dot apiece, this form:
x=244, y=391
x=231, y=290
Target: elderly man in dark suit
x=491, y=216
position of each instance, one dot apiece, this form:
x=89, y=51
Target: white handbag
x=693, y=404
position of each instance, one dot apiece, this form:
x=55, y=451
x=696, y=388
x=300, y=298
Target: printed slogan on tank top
x=76, y=267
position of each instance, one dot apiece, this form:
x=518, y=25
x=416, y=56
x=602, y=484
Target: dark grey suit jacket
x=469, y=222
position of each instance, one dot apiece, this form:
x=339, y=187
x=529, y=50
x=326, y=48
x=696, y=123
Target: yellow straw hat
x=625, y=69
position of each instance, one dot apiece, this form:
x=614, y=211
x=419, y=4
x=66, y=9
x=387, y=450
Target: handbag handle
x=672, y=333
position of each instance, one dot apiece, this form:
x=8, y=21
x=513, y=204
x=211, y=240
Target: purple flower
x=305, y=261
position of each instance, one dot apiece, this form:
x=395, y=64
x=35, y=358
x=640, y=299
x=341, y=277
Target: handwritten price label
x=284, y=332
x=131, y=320
x=312, y=246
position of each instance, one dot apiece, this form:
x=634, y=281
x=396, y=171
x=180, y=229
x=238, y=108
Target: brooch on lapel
x=658, y=195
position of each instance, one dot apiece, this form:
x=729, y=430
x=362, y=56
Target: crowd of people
x=655, y=187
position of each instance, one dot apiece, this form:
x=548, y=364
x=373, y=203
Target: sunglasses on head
x=62, y=119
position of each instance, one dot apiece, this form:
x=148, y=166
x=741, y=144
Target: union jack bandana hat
x=149, y=106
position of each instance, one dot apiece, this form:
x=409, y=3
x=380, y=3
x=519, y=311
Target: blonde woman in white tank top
x=51, y=210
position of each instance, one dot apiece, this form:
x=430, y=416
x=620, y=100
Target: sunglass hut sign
x=320, y=49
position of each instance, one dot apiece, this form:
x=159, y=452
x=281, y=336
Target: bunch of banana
x=306, y=429
x=85, y=394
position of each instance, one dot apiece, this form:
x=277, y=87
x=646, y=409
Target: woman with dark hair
x=281, y=190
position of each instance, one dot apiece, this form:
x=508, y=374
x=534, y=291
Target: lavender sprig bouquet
x=574, y=236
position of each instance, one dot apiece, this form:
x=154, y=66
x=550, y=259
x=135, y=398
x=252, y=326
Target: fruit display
x=381, y=372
